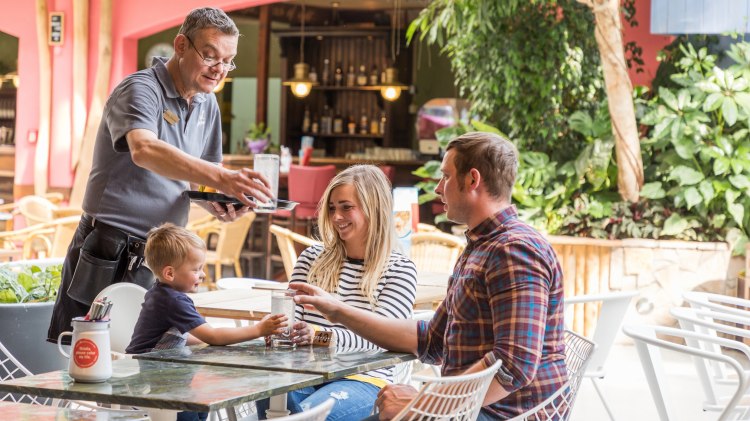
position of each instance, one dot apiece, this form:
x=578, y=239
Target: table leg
x=277, y=407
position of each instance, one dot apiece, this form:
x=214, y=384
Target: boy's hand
x=272, y=323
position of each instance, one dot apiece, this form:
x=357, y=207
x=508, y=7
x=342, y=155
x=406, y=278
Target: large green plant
x=698, y=152
x=526, y=66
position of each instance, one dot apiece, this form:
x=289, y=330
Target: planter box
x=660, y=270
x=23, y=330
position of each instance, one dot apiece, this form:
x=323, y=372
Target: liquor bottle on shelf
x=381, y=128
x=315, y=126
x=326, y=122
x=374, y=75
x=374, y=124
x=363, y=123
x=338, y=77
x=306, y=121
x=326, y=76
x=351, y=126
x=362, y=76
x=350, y=76
x=338, y=124
x=313, y=75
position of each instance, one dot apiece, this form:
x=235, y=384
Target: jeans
x=354, y=399
x=192, y=416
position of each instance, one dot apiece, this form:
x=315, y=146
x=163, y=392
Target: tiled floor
x=628, y=394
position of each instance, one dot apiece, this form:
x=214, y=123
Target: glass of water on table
x=282, y=302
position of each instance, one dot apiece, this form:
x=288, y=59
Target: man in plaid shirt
x=504, y=299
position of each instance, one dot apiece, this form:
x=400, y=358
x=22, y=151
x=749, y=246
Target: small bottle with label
x=381, y=128
x=374, y=124
x=338, y=76
x=326, y=76
x=338, y=124
x=350, y=76
x=363, y=123
x=313, y=75
x=362, y=76
x=315, y=126
x=374, y=75
x=351, y=126
x=306, y=121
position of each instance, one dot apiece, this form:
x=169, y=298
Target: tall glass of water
x=282, y=302
x=268, y=165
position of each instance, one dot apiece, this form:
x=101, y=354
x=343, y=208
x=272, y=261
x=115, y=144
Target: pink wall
x=132, y=20
x=651, y=44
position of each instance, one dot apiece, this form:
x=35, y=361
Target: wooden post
x=41, y=155
x=101, y=88
x=264, y=37
x=80, y=77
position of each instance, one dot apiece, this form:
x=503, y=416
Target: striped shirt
x=394, y=298
x=504, y=301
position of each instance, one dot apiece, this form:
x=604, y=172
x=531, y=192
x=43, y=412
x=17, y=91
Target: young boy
x=168, y=317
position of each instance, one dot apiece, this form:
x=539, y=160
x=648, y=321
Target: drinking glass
x=268, y=165
x=282, y=302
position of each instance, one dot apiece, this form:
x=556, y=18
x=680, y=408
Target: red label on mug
x=85, y=353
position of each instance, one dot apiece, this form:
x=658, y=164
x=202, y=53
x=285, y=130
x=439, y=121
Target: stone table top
x=25, y=411
x=330, y=363
x=166, y=385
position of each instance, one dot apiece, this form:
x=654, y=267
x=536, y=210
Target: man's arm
x=392, y=334
x=495, y=392
x=164, y=159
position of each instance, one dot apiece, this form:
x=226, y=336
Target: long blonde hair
x=374, y=194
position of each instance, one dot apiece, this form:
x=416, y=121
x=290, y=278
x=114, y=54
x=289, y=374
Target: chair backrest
x=11, y=368
x=612, y=307
x=648, y=345
x=318, y=413
x=713, y=376
x=36, y=209
x=452, y=397
x=126, y=300
x=422, y=227
x=232, y=237
x=286, y=240
x=307, y=184
x=717, y=302
x=435, y=251
x=558, y=407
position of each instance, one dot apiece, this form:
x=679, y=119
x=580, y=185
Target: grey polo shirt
x=125, y=195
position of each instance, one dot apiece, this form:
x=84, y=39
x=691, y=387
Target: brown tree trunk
x=619, y=97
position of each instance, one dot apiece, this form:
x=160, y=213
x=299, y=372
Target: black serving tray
x=199, y=196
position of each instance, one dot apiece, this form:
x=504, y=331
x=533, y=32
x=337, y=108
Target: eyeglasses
x=212, y=62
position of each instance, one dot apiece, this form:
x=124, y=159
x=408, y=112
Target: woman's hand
x=302, y=333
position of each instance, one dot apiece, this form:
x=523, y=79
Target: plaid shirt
x=504, y=301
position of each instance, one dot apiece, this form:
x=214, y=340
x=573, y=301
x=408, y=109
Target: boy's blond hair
x=170, y=245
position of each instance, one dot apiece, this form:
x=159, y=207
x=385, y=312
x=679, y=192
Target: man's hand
x=243, y=183
x=393, y=398
x=311, y=296
x=225, y=214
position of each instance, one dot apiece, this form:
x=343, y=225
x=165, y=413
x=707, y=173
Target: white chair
x=613, y=306
x=126, y=300
x=318, y=413
x=714, y=377
x=717, y=302
x=649, y=345
x=11, y=368
x=558, y=407
x=451, y=397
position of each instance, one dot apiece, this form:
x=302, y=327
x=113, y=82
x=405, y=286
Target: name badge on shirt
x=170, y=117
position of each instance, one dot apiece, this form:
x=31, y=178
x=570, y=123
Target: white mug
x=90, y=359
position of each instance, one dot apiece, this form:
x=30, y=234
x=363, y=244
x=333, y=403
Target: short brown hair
x=208, y=18
x=170, y=245
x=494, y=156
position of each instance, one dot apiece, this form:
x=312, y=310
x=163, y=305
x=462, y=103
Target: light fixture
x=301, y=84
x=390, y=88
x=221, y=84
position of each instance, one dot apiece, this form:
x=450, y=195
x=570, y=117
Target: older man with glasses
x=160, y=135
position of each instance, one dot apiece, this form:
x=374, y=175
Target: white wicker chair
x=578, y=352
x=456, y=398
x=318, y=413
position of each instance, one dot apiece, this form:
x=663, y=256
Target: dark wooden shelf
x=338, y=31
x=346, y=88
x=345, y=135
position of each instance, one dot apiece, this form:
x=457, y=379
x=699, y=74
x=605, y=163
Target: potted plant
x=27, y=295
x=258, y=138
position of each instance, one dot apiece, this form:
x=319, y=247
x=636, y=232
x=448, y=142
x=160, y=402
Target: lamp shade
x=300, y=83
x=391, y=88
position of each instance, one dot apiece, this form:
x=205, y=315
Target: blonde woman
x=359, y=264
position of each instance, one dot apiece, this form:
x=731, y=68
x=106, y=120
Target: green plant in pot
x=258, y=138
x=29, y=283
